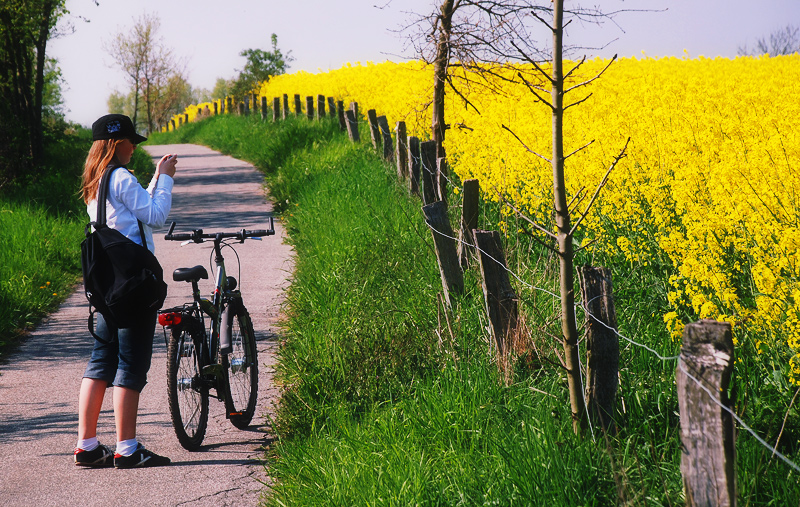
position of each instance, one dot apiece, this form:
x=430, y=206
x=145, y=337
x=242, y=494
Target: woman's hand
x=167, y=165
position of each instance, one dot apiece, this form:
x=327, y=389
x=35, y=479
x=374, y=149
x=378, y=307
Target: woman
x=124, y=361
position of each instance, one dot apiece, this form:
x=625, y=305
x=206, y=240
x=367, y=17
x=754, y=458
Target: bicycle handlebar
x=198, y=236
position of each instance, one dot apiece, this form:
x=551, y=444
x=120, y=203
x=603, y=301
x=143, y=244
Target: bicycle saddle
x=190, y=274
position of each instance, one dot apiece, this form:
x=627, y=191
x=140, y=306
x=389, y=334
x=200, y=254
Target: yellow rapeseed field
x=710, y=183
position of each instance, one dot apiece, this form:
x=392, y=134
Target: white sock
x=88, y=444
x=126, y=447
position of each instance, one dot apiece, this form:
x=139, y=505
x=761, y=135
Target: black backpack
x=123, y=280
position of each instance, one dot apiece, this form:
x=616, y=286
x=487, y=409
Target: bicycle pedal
x=212, y=369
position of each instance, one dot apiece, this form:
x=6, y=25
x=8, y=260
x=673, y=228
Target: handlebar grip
x=179, y=237
x=258, y=232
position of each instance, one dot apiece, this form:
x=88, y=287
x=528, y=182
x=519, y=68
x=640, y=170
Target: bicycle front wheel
x=240, y=366
x=188, y=394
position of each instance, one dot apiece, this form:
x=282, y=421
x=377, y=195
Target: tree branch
x=526, y=146
x=579, y=149
x=613, y=59
x=600, y=187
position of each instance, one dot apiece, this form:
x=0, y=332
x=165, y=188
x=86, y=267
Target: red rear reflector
x=169, y=319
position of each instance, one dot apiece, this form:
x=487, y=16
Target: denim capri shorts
x=125, y=360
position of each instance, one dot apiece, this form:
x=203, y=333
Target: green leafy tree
x=260, y=66
x=25, y=28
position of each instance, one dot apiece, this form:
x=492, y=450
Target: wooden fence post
x=388, y=151
x=352, y=126
x=216, y=108
x=413, y=164
x=428, y=169
x=172, y=122
x=354, y=108
x=254, y=103
x=298, y=109
x=264, y=108
x=340, y=114
x=229, y=105
x=310, y=107
x=186, y=118
x=708, y=460
x=285, y=105
x=602, y=345
x=498, y=295
x=449, y=268
x=441, y=178
x=320, y=106
x=276, y=108
x=241, y=108
x=374, y=130
x=402, y=150
x=331, y=106
x=469, y=222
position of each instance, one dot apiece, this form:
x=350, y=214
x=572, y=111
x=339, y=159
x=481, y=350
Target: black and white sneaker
x=140, y=458
x=100, y=456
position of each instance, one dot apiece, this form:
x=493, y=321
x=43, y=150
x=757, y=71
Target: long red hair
x=100, y=155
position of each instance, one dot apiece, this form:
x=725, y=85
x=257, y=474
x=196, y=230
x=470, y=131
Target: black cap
x=115, y=126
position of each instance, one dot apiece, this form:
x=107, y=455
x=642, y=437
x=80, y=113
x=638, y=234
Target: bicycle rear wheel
x=240, y=366
x=188, y=394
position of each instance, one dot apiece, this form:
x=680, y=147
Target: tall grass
x=389, y=399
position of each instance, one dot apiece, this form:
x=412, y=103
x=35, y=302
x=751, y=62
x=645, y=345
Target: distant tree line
x=156, y=78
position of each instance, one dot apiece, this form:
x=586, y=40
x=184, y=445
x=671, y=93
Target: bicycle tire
x=240, y=366
x=188, y=395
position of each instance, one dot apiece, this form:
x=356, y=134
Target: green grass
x=384, y=403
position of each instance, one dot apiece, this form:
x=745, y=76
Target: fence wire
x=583, y=306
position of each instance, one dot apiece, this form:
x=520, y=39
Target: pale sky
x=326, y=34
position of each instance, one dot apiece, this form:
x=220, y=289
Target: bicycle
x=221, y=355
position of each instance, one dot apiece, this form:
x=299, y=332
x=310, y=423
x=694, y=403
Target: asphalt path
x=39, y=384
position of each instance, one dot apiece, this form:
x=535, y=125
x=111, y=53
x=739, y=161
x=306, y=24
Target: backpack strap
x=102, y=197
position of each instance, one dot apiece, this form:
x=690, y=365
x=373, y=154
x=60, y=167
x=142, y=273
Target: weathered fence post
x=298, y=109
x=602, y=344
x=285, y=105
x=402, y=150
x=264, y=108
x=172, y=122
x=388, y=151
x=254, y=102
x=241, y=108
x=340, y=114
x=310, y=107
x=413, y=165
x=186, y=118
x=229, y=105
x=449, y=268
x=441, y=178
x=276, y=108
x=374, y=130
x=216, y=108
x=320, y=106
x=498, y=295
x=352, y=126
x=708, y=459
x=428, y=169
x=469, y=221
x=354, y=108
x=331, y=106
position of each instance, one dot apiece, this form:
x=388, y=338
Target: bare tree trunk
x=440, y=74
x=569, y=328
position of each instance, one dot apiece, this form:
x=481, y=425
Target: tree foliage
x=25, y=28
x=158, y=88
x=260, y=66
x=784, y=41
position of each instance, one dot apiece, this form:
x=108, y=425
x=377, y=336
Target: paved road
x=39, y=385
